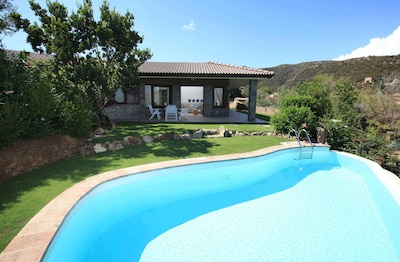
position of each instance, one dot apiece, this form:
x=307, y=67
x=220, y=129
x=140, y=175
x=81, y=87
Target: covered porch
x=233, y=118
x=203, y=88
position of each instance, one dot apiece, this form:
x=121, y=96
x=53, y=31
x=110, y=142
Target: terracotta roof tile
x=211, y=69
x=32, y=56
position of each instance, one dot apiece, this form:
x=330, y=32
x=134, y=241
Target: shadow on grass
x=57, y=177
x=142, y=129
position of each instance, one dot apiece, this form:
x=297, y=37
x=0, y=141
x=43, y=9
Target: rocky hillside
x=385, y=68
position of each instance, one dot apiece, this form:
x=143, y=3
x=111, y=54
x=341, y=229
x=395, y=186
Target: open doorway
x=192, y=97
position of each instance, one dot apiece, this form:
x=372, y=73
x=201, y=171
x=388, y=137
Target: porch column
x=252, y=100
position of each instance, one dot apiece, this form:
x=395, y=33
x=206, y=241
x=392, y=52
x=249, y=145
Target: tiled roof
x=32, y=56
x=207, y=69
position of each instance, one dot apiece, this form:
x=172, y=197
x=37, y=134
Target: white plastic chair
x=171, y=113
x=154, y=112
x=184, y=111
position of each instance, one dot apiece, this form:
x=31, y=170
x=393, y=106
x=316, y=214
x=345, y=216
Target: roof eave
x=206, y=76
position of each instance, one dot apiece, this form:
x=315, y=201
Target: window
x=160, y=95
x=218, y=97
x=157, y=95
x=133, y=96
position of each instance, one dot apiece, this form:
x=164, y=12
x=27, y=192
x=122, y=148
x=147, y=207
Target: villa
x=203, y=88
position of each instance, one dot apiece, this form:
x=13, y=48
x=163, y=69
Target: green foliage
x=344, y=99
x=41, y=105
x=13, y=122
x=75, y=118
x=298, y=101
x=96, y=56
x=380, y=110
x=305, y=104
x=263, y=98
x=318, y=89
x=339, y=136
x=7, y=10
x=355, y=70
x=294, y=117
x=27, y=104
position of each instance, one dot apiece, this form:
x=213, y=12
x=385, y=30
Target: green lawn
x=23, y=196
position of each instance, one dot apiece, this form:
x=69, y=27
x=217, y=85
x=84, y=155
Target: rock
x=147, y=139
x=177, y=137
x=321, y=135
x=186, y=136
x=87, y=150
x=99, y=131
x=222, y=131
x=131, y=141
x=115, y=145
x=98, y=148
x=158, y=138
x=239, y=133
x=127, y=140
x=197, y=134
x=207, y=132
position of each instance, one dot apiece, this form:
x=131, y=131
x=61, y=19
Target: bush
x=75, y=118
x=294, y=117
x=13, y=122
x=41, y=106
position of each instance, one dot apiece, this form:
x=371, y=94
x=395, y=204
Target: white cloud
x=189, y=27
x=389, y=45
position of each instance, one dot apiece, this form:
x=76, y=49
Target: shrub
x=294, y=117
x=13, y=122
x=75, y=118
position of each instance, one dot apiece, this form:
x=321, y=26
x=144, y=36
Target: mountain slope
x=385, y=68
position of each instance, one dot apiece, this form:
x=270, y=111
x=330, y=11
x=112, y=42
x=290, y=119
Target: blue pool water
x=268, y=208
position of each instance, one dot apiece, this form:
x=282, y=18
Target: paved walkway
x=31, y=242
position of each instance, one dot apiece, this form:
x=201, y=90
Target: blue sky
x=254, y=33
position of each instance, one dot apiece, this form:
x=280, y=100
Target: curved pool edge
x=31, y=242
x=387, y=178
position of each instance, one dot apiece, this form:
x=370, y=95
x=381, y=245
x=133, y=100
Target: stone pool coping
x=31, y=242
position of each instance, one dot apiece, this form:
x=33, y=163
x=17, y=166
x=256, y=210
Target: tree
x=91, y=58
x=7, y=26
x=345, y=98
x=318, y=89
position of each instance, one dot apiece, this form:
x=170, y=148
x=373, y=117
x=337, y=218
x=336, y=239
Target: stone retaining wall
x=25, y=156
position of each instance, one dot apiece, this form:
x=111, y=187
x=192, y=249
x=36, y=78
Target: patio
x=234, y=118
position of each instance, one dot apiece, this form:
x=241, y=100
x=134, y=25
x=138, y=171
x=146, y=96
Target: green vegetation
x=384, y=68
x=356, y=121
x=23, y=196
x=91, y=59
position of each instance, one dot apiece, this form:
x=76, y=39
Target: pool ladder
x=306, y=152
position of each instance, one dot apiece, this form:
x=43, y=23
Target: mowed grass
x=23, y=196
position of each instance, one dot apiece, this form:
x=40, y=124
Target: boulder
x=99, y=131
x=158, y=138
x=186, y=136
x=321, y=135
x=98, y=148
x=197, y=134
x=115, y=145
x=147, y=139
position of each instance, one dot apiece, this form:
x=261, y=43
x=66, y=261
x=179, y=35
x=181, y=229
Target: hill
x=385, y=68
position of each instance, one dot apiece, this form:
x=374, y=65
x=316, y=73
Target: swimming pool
x=271, y=207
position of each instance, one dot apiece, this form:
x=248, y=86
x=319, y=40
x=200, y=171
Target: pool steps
x=305, y=152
